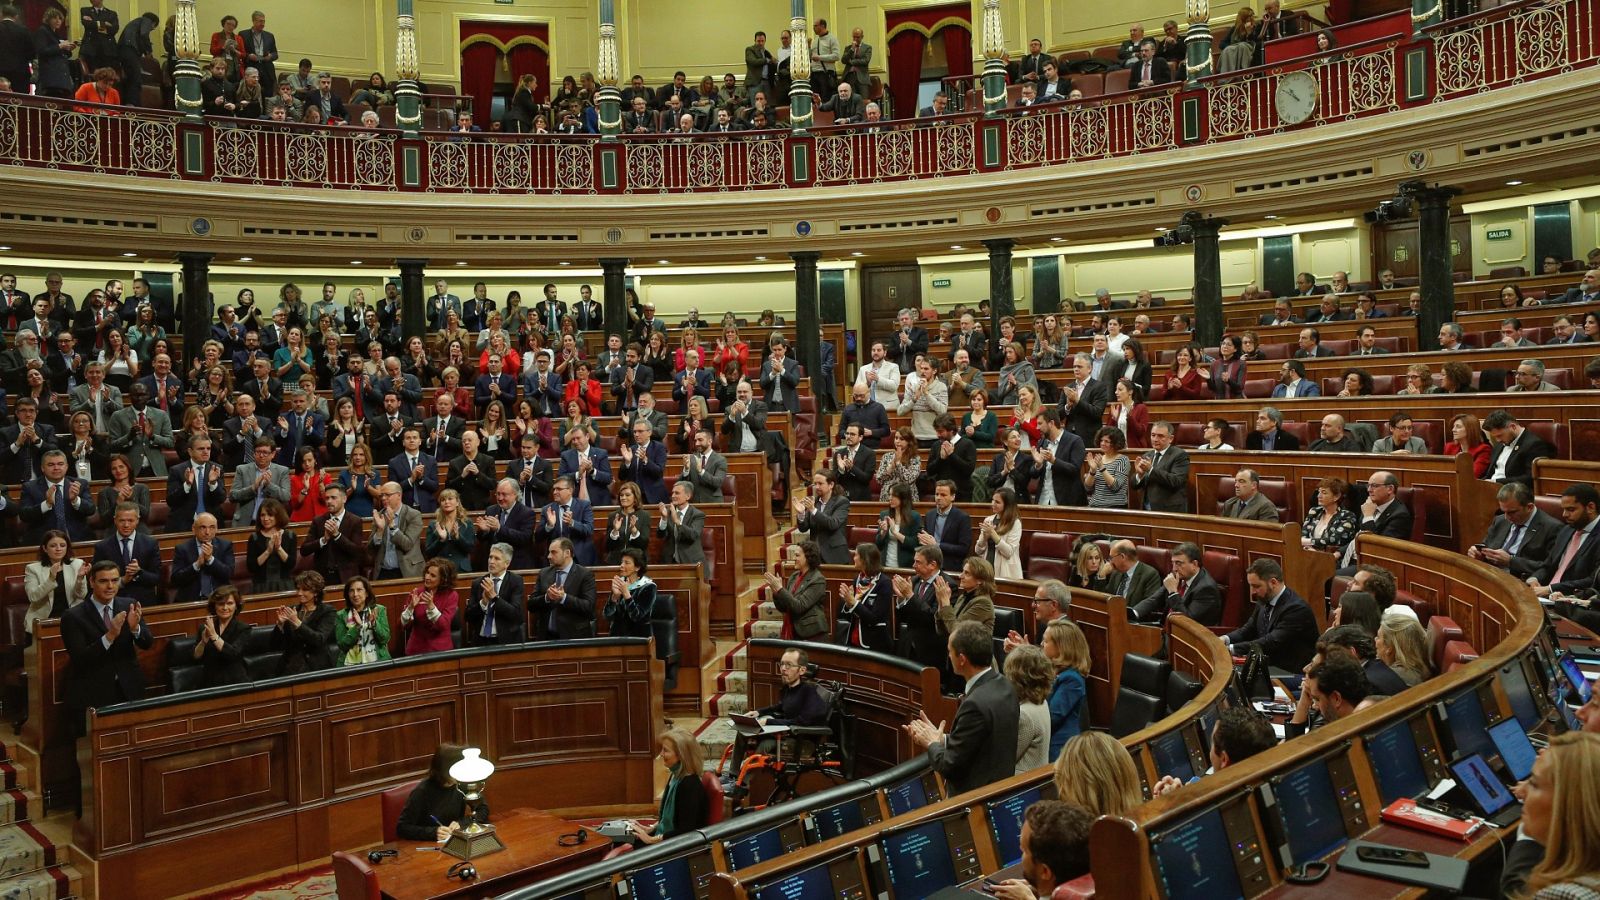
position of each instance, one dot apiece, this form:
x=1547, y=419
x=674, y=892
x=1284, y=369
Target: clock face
x=1296, y=97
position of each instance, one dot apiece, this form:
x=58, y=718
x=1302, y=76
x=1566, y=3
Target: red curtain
x=957, y=49
x=905, y=71
x=33, y=14
x=531, y=59
x=478, y=63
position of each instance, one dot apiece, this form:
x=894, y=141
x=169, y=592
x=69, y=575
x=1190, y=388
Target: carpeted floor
x=309, y=885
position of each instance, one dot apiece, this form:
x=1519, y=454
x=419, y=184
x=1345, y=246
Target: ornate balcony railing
x=1494, y=49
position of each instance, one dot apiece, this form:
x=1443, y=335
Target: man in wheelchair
x=792, y=738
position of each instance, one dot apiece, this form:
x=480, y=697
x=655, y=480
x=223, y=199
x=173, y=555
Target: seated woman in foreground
x=436, y=807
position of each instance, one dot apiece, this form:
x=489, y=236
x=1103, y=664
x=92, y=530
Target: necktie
x=1566, y=558
x=1146, y=76
x=200, y=490
x=205, y=575
x=61, y=505
x=488, y=615
x=561, y=522
x=161, y=391
x=127, y=551
x=105, y=616
x=1514, y=541
x=355, y=384
x=561, y=581
x=1183, y=586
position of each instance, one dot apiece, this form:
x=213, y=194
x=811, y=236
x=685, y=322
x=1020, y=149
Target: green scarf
x=669, y=802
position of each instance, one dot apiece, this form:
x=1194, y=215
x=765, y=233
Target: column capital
x=1434, y=195
x=805, y=257
x=1000, y=245
x=195, y=257
x=614, y=262
x=411, y=263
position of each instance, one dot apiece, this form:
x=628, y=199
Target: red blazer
x=1480, y=456
x=1030, y=427
x=1191, y=387
x=739, y=351
x=1138, y=423
x=423, y=636
x=589, y=398
x=219, y=40
x=313, y=505
x=544, y=431
x=463, y=399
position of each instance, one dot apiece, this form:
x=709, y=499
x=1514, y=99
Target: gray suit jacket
x=681, y=543
x=243, y=493
x=829, y=526
x=1259, y=508
x=981, y=747
x=1145, y=585
x=708, y=481
x=407, y=541
x=1166, y=485
x=1537, y=540
x=125, y=437
x=110, y=401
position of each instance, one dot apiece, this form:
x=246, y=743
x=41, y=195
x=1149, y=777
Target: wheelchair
x=805, y=760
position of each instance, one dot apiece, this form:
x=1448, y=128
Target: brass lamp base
x=481, y=841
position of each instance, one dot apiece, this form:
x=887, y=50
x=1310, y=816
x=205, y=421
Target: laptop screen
x=1514, y=678
x=1480, y=781
x=1396, y=762
x=1467, y=724
x=1516, y=751
x=1194, y=860
x=1574, y=673
x=1005, y=822
x=1312, y=820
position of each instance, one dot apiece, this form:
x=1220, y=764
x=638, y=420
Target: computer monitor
x=1171, y=754
x=836, y=878
x=1567, y=715
x=1396, y=762
x=1194, y=860
x=678, y=878
x=1514, y=678
x=1576, y=677
x=768, y=843
x=913, y=793
x=1516, y=751
x=918, y=861
x=1308, y=808
x=1473, y=773
x=1469, y=729
x=1208, y=724
x=1005, y=823
x=840, y=818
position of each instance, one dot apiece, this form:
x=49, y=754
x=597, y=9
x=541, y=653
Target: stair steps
x=30, y=862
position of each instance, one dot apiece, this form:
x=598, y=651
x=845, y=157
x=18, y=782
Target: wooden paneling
x=1552, y=476
x=171, y=799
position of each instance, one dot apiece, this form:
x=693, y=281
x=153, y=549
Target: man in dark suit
x=1163, y=473
x=969, y=338
x=646, y=411
x=264, y=389
x=562, y=603
x=694, y=380
x=1058, y=458
x=416, y=472
x=1575, y=553
x=954, y=456
x=853, y=464
x=531, y=472
x=1247, y=501
x=1083, y=400
x=548, y=313
x=193, y=487
x=1137, y=582
x=387, y=427
x=1305, y=285
x=826, y=517
x=780, y=379
x=1269, y=433
x=495, y=614
x=981, y=747
x=335, y=540
x=589, y=468
x=103, y=637
x=907, y=342
x=947, y=528
x=1149, y=69
x=510, y=522
x=298, y=426
x=1587, y=291
x=1513, y=450
x=261, y=49
x=568, y=517
x=471, y=474
x=24, y=443
x=493, y=385
x=630, y=379
x=442, y=431
x=1282, y=624
x=1188, y=589
x=543, y=387
x=55, y=500
x=587, y=313
x=136, y=554
x=1281, y=314
x=680, y=526
x=1520, y=538
x=1031, y=67
x=872, y=416
x=1328, y=310
x=1310, y=347
x=1381, y=513
x=202, y=565
x=705, y=470
x=644, y=462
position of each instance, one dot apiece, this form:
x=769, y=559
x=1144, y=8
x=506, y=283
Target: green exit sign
x=1497, y=234
x=941, y=282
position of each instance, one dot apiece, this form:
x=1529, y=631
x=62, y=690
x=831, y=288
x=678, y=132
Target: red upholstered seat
x=353, y=878
x=715, y=807
x=392, y=803
x=1227, y=570
x=1076, y=889
x=1441, y=631
x=1456, y=655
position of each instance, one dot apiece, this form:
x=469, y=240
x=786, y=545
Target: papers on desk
x=1278, y=730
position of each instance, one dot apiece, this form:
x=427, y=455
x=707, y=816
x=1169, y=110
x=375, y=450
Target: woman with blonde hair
x=684, y=804
x=1403, y=646
x=1067, y=649
x=1090, y=568
x=1562, y=812
x=1030, y=675
x=1097, y=773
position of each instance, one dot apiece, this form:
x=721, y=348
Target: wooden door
x=1397, y=246
x=885, y=290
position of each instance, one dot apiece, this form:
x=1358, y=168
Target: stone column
x=407, y=98
x=1197, y=42
x=413, y=306
x=1436, y=267
x=1002, y=302
x=994, y=68
x=186, y=70
x=1207, y=278
x=808, y=321
x=799, y=67
x=605, y=72
x=614, y=290
x=195, y=316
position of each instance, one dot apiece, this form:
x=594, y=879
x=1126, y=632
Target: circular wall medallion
x=613, y=235
x=1194, y=193
x=992, y=214
x=1417, y=160
x=802, y=228
x=416, y=234
x=200, y=226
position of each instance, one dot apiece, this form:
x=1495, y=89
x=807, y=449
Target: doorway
x=885, y=290
x=494, y=57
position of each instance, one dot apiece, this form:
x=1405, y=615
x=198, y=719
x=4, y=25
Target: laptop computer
x=749, y=725
x=1516, y=749
x=1488, y=793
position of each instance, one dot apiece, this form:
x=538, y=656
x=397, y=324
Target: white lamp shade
x=472, y=768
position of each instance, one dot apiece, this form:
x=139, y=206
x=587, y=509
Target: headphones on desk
x=1307, y=873
x=378, y=856
x=463, y=870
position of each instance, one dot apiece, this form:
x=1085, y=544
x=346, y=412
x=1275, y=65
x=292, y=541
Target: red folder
x=1406, y=812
